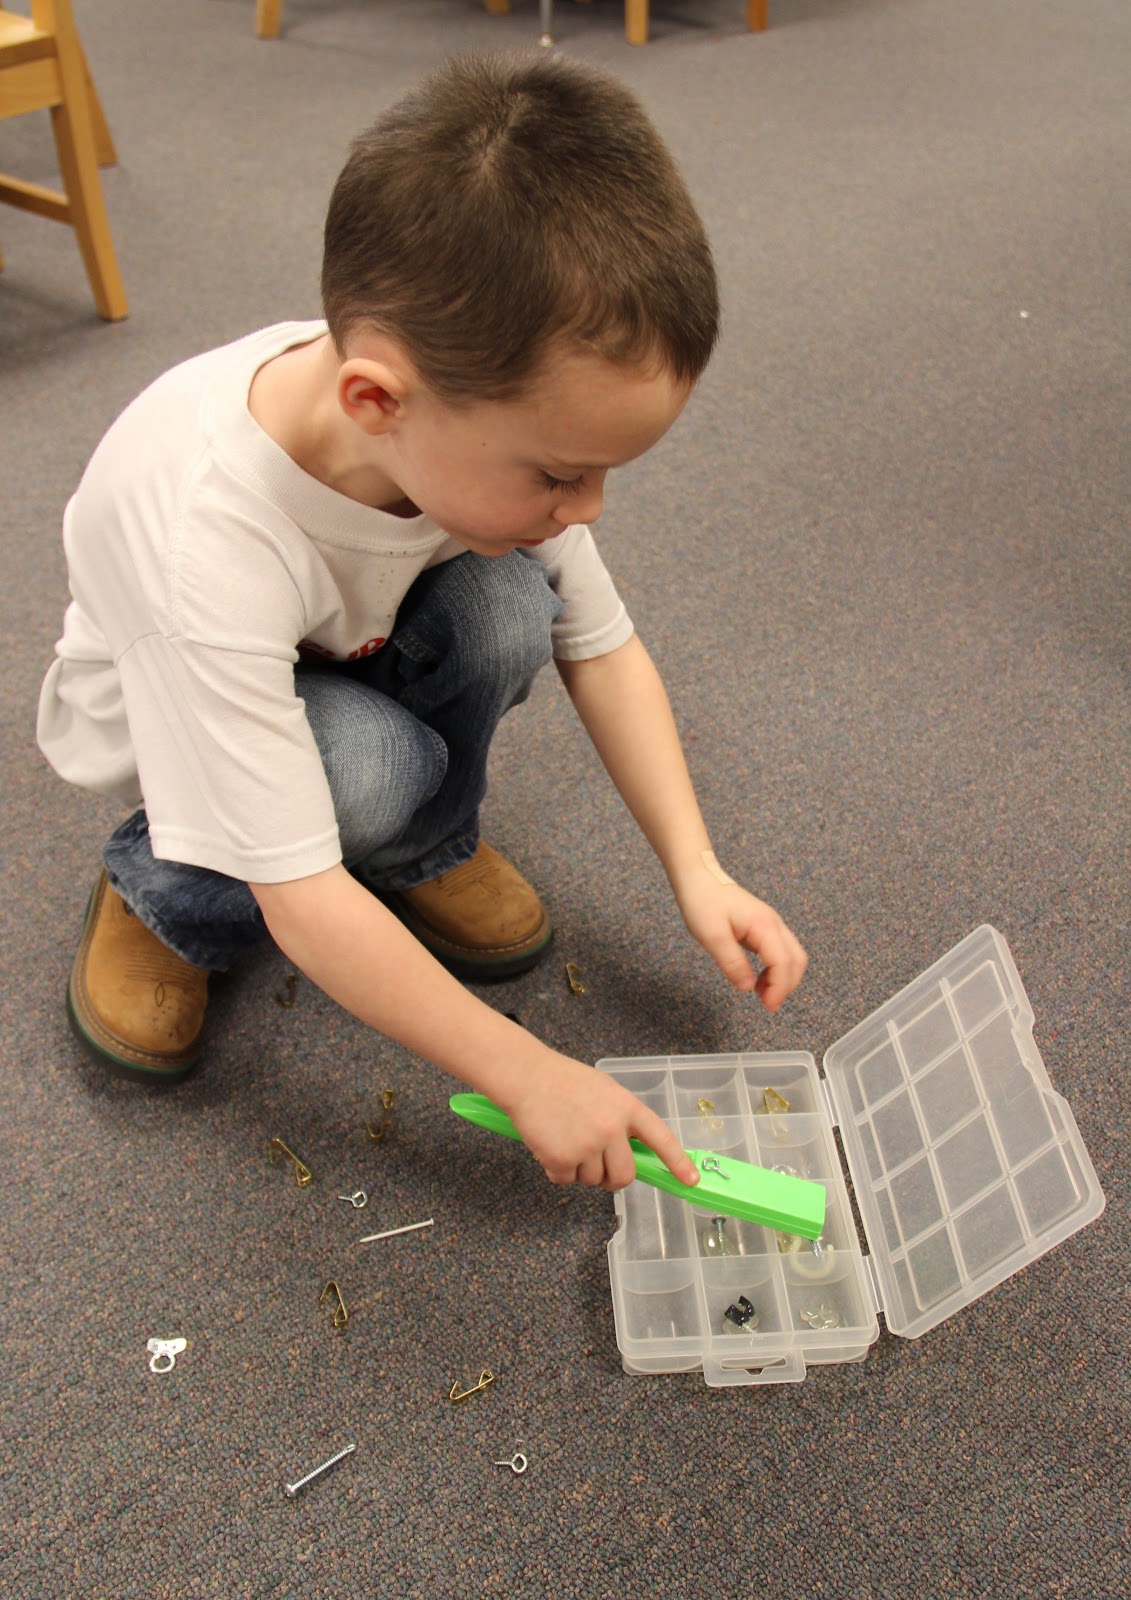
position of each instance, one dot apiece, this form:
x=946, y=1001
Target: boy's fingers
x=783, y=967
x=620, y=1167
x=659, y=1137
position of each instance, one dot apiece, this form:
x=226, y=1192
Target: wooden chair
x=635, y=17
x=43, y=68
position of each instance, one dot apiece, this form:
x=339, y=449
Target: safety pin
x=706, y=1107
x=711, y=1164
x=303, y=1174
x=341, y=1315
x=573, y=973
x=376, y=1134
x=485, y=1377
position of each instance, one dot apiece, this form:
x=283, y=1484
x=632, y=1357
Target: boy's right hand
x=577, y=1122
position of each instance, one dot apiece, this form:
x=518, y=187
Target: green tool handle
x=773, y=1199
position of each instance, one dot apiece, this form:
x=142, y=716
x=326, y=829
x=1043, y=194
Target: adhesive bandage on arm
x=711, y=862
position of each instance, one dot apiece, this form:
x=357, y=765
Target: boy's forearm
x=624, y=707
x=356, y=950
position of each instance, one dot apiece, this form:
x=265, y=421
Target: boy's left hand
x=728, y=922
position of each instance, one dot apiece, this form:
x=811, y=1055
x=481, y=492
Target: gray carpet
x=883, y=564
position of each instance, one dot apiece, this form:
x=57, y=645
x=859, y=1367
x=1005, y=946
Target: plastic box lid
x=966, y=1164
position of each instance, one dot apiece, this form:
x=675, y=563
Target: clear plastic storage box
x=966, y=1165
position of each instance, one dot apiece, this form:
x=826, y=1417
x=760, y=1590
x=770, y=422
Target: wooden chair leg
x=78, y=163
x=756, y=15
x=636, y=21
x=267, y=18
x=103, y=138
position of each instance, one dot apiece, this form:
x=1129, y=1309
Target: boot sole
x=471, y=968
x=103, y=1046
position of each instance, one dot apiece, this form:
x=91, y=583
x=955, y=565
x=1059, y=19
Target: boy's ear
x=373, y=393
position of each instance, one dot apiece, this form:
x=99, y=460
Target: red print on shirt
x=307, y=647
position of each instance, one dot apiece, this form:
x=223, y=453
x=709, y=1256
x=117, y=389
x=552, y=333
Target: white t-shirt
x=200, y=557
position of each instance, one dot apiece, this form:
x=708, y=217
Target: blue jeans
x=403, y=735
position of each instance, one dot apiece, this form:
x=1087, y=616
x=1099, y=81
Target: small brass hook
x=303, y=1174
x=573, y=973
x=341, y=1315
x=291, y=983
x=485, y=1377
x=376, y=1134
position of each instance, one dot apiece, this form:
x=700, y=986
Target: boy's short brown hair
x=510, y=204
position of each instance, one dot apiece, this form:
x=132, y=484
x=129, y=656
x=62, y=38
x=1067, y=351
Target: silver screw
x=291, y=1489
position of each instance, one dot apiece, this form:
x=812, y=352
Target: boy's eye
x=562, y=485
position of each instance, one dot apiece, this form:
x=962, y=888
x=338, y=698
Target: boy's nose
x=583, y=507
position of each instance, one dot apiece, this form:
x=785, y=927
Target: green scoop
x=732, y=1188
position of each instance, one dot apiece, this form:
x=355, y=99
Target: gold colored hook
x=376, y=1134
x=573, y=973
x=341, y=1315
x=485, y=1377
x=303, y=1174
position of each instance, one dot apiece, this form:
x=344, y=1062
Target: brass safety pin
x=485, y=1377
x=376, y=1134
x=303, y=1174
x=341, y=1315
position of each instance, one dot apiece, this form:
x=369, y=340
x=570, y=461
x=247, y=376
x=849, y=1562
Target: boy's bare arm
x=577, y=1121
x=624, y=707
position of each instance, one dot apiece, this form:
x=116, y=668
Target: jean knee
x=381, y=763
x=508, y=606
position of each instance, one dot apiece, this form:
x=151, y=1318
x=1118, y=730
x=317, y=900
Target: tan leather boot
x=135, y=1005
x=482, y=919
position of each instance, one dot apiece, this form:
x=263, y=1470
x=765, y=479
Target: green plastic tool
x=732, y=1188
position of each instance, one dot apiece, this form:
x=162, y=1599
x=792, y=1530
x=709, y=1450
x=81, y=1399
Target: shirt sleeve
x=593, y=620
x=227, y=762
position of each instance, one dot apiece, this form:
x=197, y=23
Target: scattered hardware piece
x=826, y=1317
x=291, y=983
x=775, y=1104
x=816, y=1259
x=164, y=1350
x=517, y=1463
x=717, y=1240
x=303, y=1174
x=358, y=1199
x=711, y=1164
x=376, y=1134
x=291, y=1489
x=573, y=973
x=341, y=1315
x=743, y=1315
x=706, y=1107
x=789, y=1244
x=485, y=1377
x=786, y=1171
x=410, y=1227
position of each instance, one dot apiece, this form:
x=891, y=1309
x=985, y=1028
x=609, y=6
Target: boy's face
x=499, y=475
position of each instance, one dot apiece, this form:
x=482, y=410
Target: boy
x=312, y=570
